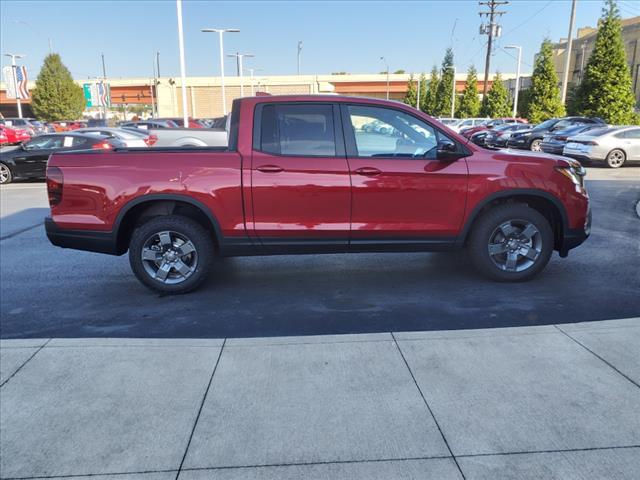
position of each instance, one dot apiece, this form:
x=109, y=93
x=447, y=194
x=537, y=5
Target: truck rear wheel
x=171, y=254
x=511, y=243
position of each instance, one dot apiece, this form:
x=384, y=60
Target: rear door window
x=298, y=130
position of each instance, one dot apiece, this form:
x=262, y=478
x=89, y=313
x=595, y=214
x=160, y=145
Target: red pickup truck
x=302, y=174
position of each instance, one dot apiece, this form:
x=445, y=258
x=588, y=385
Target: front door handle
x=368, y=171
x=269, y=169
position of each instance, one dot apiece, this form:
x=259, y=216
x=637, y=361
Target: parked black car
x=498, y=136
x=554, y=142
x=532, y=139
x=479, y=138
x=29, y=160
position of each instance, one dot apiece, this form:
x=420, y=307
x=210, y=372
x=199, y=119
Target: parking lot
x=51, y=292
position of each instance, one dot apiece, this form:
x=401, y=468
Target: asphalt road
x=50, y=292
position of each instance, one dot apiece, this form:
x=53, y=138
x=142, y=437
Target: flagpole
x=15, y=80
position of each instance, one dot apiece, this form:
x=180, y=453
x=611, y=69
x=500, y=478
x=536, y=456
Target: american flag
x=21, y=81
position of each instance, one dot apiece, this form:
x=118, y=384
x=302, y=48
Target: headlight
x=574, y=172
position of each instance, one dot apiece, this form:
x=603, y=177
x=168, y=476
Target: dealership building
x=204, y=94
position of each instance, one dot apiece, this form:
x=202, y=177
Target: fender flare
x=531, y=192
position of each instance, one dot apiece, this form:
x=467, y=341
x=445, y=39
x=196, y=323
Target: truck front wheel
x=171, y=254
x=511, y=243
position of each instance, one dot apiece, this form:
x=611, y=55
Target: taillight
x=102, y=146
x=55, y=182
x=151, y=140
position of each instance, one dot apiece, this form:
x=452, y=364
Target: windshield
x=547, y=124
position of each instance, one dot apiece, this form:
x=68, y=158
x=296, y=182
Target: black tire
x=535, y=145
x=180, y=228
x=616, y=158
x=6, y=176
x=488, y=226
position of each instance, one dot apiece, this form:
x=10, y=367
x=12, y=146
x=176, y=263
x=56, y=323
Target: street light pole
x=183, y=75
x=567, y=59
x=385, y=62
x=239, y=57
x=220, y=32
x=15, y=79
x=251, y=70
x=515, y=95
x=299, y=54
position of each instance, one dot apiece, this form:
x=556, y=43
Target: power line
x=531, y=17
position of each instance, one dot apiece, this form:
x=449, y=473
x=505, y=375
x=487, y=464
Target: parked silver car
x=612, y=145
x=131, y=139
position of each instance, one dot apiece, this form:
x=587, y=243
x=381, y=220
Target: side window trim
x=350, y=136
x=337, y=129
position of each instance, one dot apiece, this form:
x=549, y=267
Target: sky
x=348, y=36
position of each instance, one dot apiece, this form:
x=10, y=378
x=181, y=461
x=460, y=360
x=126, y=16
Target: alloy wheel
x=515, y=245
x=535, y=146
x=615, y=159
x=5, y=174
x=169, y=257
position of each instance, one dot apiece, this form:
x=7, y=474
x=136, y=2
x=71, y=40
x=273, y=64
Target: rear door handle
x=269, y=169
x=368, y=171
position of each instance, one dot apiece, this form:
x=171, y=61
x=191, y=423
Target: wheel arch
x=153, y=205
x=541, y=201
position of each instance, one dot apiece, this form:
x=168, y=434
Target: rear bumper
x=88, y=240
x=551, y=148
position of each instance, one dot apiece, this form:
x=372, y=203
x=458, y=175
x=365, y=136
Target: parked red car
x=14, y=136
x=468, y=132
x=301, y=175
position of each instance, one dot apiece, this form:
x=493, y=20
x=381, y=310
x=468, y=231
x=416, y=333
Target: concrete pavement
x=543, y=402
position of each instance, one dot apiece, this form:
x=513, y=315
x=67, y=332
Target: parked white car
x=612, y=146
x=467, y=123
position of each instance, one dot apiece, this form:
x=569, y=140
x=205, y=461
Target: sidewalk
x=559, y=402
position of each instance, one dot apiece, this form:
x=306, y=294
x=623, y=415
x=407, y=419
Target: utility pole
x=491, y=29
x=567, y=59
x=15, y=79
x=299, y=55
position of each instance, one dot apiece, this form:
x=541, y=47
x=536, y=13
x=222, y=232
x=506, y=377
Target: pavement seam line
x=18, y=232
x=204, y=398
x=599, y=357
x=25, y=362
x=424, y=399
x=334, y=462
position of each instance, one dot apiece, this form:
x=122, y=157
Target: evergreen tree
x=423, y=91
x=496, y=103
x=56, y=96
x=469, y=104
x=544, y=94
x=442, y=105
x=411, y=96
x=606, y=88
x=428, y=100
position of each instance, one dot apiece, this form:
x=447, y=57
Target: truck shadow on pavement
x=52, y=292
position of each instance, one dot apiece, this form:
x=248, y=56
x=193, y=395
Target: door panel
x=300, y=181
x=399, y=189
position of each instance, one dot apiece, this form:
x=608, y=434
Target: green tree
x=422, y=90
x=544, y=94
x=606, y=88
x=411, y=96
x=496, y=103
x=56, y=96
x=443, y=94
x=469, y=104
x=523, y=103
x=400, y=71
x=428, y=100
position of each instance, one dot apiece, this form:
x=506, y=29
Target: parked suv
x=532, y=140
x=301, y=174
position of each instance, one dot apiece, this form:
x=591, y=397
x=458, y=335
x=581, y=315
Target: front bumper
x=518, y=142
x=575, y=237
x=554, y=148
x=88, y=240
